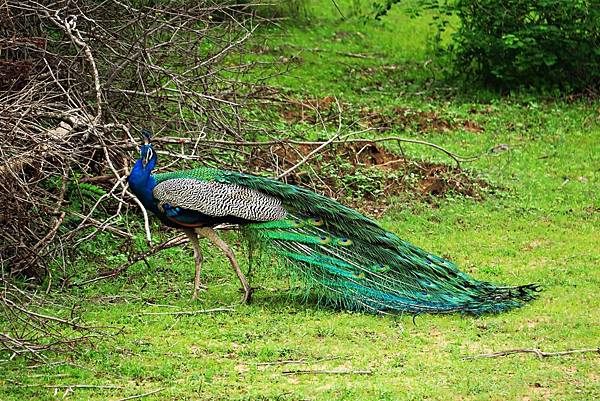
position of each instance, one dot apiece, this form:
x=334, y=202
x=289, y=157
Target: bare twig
x=307, y=157
x=79, y=386
x=170, y=243
x=327, y=372
x=539, y=353
x=188, y=312
x=297, y=361
x=12, y=304
x=319, y=50
x=338, y=9
x=320, y=144
x=133, y=397
x=146, y=220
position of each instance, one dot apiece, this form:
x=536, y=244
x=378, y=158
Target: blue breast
x=141, y=183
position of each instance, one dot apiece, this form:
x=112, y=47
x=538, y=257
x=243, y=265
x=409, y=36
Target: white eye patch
x=148, y=156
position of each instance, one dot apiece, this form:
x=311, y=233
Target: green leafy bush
x=540, y=43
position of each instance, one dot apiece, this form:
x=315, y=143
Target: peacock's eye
x=315, y=221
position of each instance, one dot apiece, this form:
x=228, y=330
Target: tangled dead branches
x=77, y=79
x=29, y=331
x=75, y=76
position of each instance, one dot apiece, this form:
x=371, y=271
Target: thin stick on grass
x=80, y=386
x=539, y=353
x=327, y=372
x=133, y=397
x=188, y=312
x=307, y=157
x=179, y=240
x=297, y=361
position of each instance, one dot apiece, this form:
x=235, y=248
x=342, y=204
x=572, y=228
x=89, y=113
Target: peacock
x=344, y=257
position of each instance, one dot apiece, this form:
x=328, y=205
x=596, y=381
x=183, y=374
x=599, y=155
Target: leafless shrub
x=29, y=331
x=78, y=78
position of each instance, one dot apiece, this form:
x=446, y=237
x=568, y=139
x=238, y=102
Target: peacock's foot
x=199, y=287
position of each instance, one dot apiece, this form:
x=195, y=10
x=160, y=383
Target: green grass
x=543, y=227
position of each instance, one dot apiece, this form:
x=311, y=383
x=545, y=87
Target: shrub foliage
x=518, y=43
x=541, y=43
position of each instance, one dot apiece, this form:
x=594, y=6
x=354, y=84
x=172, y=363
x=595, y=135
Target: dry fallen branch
x=539, y=353
x=188, y=312
x=71, y=386
x=327, y=372
x=321, y=144
x=170, y=243
x=319, y=50
x=133, y=397
x=290, y=362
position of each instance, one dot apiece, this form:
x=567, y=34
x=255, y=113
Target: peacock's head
x=140, y=178
x=147, y=153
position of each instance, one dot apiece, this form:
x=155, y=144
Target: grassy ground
x=543, y=227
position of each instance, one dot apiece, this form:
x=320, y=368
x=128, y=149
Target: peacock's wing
x=342, y=220
x=179, y=196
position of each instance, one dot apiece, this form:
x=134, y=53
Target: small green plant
x=90, y=190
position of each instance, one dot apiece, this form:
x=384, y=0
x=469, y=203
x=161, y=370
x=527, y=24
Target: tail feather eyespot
x=324, y=239
x=359, y=274
x=380, y=268
x=344, y=241
x=315, y=221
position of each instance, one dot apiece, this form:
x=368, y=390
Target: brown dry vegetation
x=369, y=176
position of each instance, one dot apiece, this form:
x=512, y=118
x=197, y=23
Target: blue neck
x=141, y=183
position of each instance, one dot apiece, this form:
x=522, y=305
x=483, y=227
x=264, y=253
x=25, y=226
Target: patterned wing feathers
x=219, y=199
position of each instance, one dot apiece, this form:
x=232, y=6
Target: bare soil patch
x=368, y=176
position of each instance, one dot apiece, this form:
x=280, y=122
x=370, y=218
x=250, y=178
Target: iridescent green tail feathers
x=393, y=276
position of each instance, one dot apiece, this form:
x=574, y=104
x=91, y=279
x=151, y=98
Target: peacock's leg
x=212, y=236
x=191, y=234
x=250, y=260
